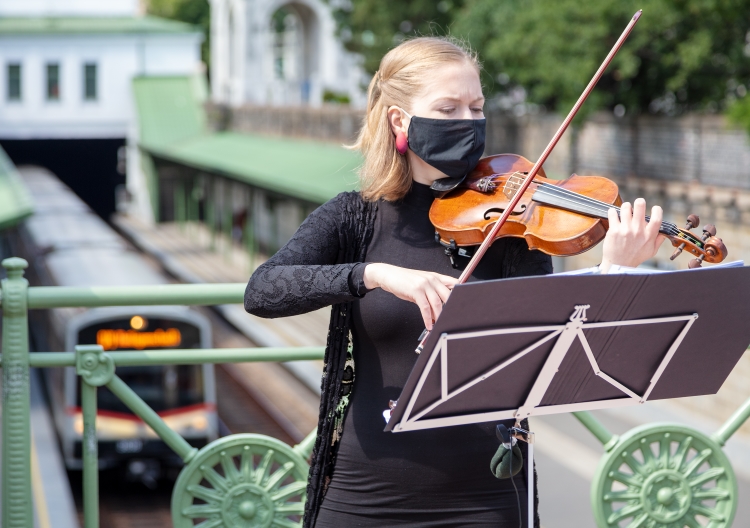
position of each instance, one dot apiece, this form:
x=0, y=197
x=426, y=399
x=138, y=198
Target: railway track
x=131, y=503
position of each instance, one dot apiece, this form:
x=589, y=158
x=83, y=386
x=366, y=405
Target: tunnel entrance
x=88, y=166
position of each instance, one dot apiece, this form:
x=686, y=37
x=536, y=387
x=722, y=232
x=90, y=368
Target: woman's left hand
x=631, y=240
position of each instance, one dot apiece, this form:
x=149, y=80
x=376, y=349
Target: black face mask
x=452, y=146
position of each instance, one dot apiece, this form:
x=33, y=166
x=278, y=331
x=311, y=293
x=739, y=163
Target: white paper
x=615, y=269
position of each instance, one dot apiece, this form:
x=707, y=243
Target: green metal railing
x=656, y=475
x=258, y=479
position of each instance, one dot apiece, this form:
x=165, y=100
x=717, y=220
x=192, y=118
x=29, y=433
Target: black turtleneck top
x=431, y=478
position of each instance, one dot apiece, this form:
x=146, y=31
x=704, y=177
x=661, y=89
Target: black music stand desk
x=531, y=346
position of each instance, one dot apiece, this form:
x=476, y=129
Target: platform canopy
x=172, y=126
x=15, y=201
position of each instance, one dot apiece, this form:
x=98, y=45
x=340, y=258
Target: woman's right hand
x=426, y=289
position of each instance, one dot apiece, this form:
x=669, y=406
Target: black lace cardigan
x=294, y=281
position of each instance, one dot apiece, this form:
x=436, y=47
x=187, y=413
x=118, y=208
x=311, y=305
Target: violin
x=557, y=217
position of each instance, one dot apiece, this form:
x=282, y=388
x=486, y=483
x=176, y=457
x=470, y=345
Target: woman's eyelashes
x=448, y=111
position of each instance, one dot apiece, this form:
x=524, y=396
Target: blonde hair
x=385, y=173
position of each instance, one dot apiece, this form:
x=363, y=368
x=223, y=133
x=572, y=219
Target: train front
x=183, y=395
x=66, y=244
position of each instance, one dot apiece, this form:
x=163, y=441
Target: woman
x=372, y=254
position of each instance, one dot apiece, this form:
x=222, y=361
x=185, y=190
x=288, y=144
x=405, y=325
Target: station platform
x=53, y=503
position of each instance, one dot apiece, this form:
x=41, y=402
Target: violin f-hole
x=520, y=209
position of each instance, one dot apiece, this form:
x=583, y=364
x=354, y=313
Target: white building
x=279, y=52
x=66, y=68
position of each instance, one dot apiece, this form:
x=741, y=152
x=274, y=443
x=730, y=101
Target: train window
x=163, y=388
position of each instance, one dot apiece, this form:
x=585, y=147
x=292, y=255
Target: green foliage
x=739, y=113
x=329, y=96
x=682, y=55
x=372, y=27
x=196, y=12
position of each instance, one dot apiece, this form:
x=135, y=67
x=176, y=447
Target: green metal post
x=189, y=185
x=16, y=435
x=184, y=357
x=134, y=402
x=90, y=457
x=739, y=417
x=179, y=204
x=227, y=221
x=152, y=182
x=159, y=295
x=597, y=428
x=211, y=212
x=305, y=447
x=193, y=208
x=250, y=234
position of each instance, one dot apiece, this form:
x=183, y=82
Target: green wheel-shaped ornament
x=664, y=475
x=241, y=481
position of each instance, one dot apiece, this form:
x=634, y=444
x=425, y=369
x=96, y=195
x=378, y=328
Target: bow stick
x=487, y=242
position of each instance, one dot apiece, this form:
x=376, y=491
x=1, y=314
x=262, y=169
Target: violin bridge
x=514, y=182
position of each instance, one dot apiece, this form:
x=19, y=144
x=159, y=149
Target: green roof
x=173, y=126
x=53, y=25
x=15, y=201
x=304, y=169
x=169, y=109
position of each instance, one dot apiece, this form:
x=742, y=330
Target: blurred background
x=202, y=133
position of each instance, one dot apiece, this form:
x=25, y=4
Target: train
x=67, y=244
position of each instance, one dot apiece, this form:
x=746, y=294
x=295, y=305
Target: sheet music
x=615, y=269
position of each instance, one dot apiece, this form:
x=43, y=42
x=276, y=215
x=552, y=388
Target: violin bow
x=487, y=242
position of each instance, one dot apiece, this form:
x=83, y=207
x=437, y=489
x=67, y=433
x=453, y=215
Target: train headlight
x=111, y=427
x=138, y=323
x=190, y=423
x=78, y=424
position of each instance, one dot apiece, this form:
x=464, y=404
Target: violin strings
x=596, y=206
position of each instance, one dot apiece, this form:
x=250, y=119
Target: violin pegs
x=709, y=230
x=677, y=251
x=693, y=221
x=695, y=263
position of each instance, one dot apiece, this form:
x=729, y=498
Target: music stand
x=531, y=346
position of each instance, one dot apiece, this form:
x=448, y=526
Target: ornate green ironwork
x=94, y=365
x=17, y=512
x=242, y=481
x=664, y=476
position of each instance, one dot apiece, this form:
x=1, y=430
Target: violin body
x=467, y=214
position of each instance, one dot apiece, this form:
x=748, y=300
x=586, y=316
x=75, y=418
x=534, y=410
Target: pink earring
x=402, y=143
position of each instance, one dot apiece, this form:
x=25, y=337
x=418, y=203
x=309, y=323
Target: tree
x=682, y=55
x=196, y=12
x=372, y=27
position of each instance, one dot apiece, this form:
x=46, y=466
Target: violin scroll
x=708, y=248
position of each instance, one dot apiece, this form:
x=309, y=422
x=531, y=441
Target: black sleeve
x=307, y=273
x=528, y=262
